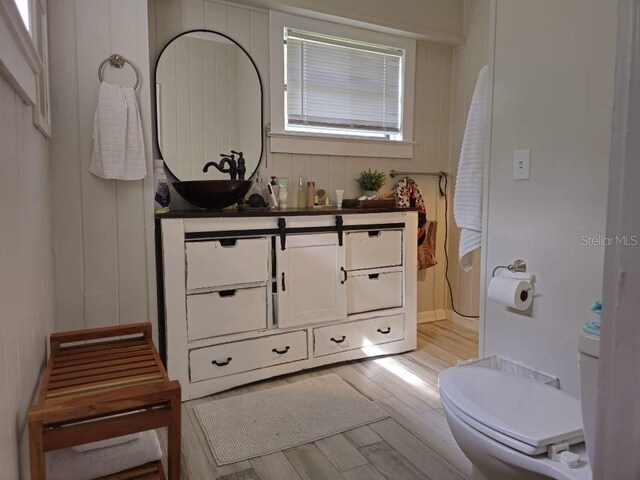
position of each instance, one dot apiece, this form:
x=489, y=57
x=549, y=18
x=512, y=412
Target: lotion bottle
x=302, y=201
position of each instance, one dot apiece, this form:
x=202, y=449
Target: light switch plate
x=521, y=164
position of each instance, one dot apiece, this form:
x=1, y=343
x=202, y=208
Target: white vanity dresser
x=250, y=295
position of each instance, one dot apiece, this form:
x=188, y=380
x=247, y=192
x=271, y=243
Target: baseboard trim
x=432, y=316
x=470, y=323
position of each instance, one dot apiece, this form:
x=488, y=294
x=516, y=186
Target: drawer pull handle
x=281, y=352
x=374, y=233
x=339, y=341
x=228, y=242
x=227, y=293
x=344, y=276
x=385, y=331
x=284, y=286
x=374, y=276
x=223, y=363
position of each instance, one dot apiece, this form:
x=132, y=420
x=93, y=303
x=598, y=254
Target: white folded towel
x=118, y=144
x=109, y=442
x=467, y=202
x=66, y=464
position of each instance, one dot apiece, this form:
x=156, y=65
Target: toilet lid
x=516, y=407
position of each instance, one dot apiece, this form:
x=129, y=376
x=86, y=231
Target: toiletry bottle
x=260, y=188
x=162, y=197
x=273, y=199
x=311, y=193
x=339, y=195
x=301, y=197
x=283, y=193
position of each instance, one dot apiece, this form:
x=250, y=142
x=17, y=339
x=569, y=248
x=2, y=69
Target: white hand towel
x=467, y=202
x=118, y=145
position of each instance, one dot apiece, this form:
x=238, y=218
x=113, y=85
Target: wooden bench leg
x=36, y=454
x=173, y=434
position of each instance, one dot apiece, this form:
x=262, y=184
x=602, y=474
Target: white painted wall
x=103, y=228
x=553, y=93
x=430, y=19
x=468, y=59
x=27, y=283
x=249, y=27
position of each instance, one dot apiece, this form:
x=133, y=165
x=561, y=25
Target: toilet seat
x=518, y=412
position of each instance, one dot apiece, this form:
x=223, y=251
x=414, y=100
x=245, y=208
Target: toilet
x=505, y=424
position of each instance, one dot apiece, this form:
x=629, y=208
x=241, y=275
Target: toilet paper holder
x=517, y=266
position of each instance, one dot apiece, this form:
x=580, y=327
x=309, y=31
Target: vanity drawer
x=374, y=291
x=224, y=262
x=374, y=249
x=226, y=311
x=358, y=334
x=235, y=357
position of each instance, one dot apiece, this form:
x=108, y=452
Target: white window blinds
x=334, y=84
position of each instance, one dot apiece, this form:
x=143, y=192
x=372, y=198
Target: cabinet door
x=311, y=286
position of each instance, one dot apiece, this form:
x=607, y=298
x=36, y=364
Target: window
x=40, y=34
x=24, y=55
x=23, y=8
x=339, y=86
x=339, y=90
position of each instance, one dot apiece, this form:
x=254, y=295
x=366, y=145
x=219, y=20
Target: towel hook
x=118, y=61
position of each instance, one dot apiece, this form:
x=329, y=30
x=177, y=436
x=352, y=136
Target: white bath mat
x=267, y=421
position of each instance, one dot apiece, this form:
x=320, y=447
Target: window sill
x=338, y=145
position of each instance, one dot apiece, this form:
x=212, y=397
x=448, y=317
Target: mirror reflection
x=209, y=108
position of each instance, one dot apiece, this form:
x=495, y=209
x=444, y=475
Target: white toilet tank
x=589, y=347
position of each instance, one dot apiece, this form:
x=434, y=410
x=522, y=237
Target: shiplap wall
x=249, y=27
x=27, y=287
x=103, y=228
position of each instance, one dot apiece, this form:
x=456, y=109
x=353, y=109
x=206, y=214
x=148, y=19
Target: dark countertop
x=289, y=212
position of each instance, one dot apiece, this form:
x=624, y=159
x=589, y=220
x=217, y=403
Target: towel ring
x=118, y=61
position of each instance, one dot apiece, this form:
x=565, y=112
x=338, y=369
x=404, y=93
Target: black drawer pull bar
x=228, y=242
x=281, y=352
x=227, y=293
x=374, y=276
x=385, y=332
x=284, y=287
x=221, y=364
x=344, y=276
x=339, y=341
x=374, y=233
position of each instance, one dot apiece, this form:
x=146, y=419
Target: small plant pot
x=370, y=193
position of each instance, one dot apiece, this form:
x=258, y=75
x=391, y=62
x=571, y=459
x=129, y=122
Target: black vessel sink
x=213, y=194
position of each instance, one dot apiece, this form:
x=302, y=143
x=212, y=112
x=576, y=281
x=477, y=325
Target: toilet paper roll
x=511, y=292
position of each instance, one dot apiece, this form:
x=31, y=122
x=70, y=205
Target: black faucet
x=236, y=169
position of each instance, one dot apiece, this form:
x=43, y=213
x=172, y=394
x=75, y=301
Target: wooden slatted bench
x=86, y=384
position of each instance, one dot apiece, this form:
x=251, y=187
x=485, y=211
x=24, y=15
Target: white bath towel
x=66, y=464
x=118, y=144
x=109, y=442
x=467, y=202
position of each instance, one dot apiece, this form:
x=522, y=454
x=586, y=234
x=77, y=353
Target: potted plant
x=370, y=181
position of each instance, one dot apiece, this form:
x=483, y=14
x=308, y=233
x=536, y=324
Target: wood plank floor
x=413, y=443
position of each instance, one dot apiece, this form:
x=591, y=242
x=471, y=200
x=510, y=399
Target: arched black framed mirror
x=209, y=102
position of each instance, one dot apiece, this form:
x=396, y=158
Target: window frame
x=282, y=141
x=20, y=62
x=43, y=91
